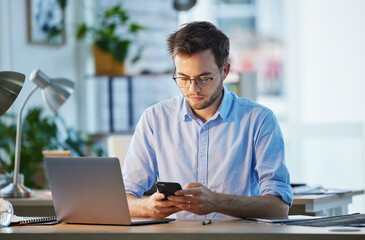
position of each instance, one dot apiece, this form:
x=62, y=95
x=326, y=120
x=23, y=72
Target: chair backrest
x=118, y=146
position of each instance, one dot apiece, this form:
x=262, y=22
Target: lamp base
x=15, y=191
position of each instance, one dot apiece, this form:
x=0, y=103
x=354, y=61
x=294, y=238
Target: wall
x=18, y=55
x=325, y=84
x=333, y=57
x=4, y=37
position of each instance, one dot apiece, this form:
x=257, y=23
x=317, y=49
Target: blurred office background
x=304, y=59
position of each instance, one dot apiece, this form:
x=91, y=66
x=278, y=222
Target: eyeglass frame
x=191, y=79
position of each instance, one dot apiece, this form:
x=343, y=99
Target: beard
x=210, y=101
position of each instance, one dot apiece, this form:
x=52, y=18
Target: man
x=227, y=152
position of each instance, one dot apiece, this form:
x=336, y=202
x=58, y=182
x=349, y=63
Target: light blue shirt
x=240, y=150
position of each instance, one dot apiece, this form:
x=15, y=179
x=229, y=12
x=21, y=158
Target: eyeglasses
x=185, y=82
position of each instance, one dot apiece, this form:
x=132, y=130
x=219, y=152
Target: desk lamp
x=54, y=92
x=10, y=85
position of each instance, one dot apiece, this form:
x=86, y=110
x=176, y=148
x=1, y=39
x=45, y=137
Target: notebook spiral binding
x=38, y=220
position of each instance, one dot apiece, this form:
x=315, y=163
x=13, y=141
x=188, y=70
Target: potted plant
x=112, y=35
x=39, y=132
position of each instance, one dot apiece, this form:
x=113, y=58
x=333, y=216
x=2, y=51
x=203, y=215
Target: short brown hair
x=195, y=37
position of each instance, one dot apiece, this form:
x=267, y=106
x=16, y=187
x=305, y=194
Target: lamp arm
x=19, y=138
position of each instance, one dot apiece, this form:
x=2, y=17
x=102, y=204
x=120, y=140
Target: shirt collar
x=226, y=104
x=186, y=112
x=223, y=110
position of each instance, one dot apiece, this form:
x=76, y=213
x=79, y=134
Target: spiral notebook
x=17, y=220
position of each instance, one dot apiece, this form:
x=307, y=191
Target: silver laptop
x=90, y=190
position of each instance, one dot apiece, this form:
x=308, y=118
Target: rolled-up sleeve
x=140, y=168
x=272, y=173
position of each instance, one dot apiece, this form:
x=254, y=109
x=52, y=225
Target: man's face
x=201, y=65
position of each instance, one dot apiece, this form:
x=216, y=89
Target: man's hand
x=200, y=200
x=195, y=198
x=152, y=206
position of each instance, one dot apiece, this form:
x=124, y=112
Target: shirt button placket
x=202, y=159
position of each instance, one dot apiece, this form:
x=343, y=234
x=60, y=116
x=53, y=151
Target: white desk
x=313, y=205
x=323, y=205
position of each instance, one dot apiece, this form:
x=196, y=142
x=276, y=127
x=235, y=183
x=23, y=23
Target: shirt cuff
x=133, y=189
x=279, y=189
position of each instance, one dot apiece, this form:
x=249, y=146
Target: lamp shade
x=54, y=91
x=184, y=5
x=10, y=85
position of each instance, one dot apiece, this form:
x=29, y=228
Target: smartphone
x=168, y=188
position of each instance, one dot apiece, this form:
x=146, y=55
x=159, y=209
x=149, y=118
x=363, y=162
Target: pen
x=206, y=222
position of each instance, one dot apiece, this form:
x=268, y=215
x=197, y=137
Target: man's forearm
x=137, y=206
x=152, y=206
x=262, y=206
